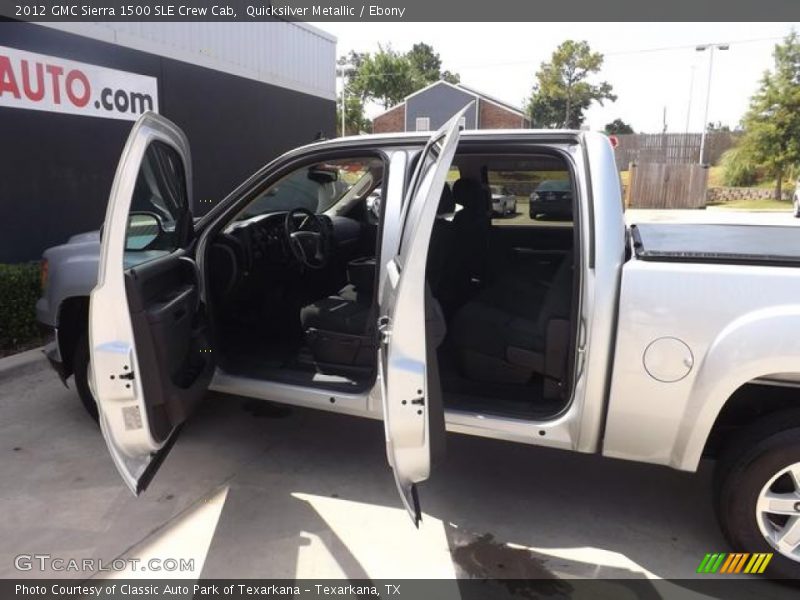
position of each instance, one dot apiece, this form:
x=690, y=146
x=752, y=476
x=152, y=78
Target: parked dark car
x=552, y=198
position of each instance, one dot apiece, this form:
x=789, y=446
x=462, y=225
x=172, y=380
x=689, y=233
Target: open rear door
x=150, y=357
x=412, y=412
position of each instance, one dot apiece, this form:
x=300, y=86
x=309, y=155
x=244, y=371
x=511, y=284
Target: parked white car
x=796, y=199
x=503, y=203
x=660, y=343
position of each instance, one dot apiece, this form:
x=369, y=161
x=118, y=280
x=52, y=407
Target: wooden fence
x=660, y=185
x=671, y=148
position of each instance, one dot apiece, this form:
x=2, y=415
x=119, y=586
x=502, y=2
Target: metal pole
x=708, y=97
x=689, y=106
x=344, y=110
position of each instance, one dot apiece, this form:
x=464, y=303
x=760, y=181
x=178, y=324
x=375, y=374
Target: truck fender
x=75, y=276
x=757, y=344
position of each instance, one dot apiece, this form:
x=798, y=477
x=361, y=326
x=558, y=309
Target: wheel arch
x=73, y=321
x=750, y=405
x=757, y=347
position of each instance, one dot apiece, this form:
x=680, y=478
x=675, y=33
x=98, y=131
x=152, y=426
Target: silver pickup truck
x=656, y=343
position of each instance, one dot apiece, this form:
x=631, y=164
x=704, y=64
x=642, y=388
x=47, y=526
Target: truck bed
x=727, y=244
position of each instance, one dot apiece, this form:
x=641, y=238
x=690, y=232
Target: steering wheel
x=309, y=241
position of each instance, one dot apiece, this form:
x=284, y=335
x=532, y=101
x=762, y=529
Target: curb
x=24, y=361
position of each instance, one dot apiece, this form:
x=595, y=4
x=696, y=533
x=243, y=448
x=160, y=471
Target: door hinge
x=385, y=329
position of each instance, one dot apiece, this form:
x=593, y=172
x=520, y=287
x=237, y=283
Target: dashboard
x=260, y=243
x=263, y=239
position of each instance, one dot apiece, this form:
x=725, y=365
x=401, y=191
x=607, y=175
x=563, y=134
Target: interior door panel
x=535, y=250
x=171, y=338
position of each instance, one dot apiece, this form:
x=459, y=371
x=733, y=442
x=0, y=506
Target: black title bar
x=402, y=10
x=731, y=588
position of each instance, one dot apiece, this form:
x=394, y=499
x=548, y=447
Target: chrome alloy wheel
x=778, y=511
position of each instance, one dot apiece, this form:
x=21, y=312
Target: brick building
x=429, y=108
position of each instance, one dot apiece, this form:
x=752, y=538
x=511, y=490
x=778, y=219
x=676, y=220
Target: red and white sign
x=37, y=82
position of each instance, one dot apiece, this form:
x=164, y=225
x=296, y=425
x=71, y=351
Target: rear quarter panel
x=740, y=323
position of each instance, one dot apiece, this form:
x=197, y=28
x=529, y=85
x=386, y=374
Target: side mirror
x=143, y=229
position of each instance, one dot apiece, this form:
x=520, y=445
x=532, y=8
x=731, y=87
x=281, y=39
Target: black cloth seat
x=441, y=242
x=340, y=313
x=465, y=263
x=338, y=331
x=512, y=331
x=339, y=328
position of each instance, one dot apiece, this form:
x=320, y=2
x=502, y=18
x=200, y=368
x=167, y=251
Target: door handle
x=198, y=281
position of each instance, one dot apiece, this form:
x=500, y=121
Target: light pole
x=711, y=48
x=342, y=70
x=689, y=106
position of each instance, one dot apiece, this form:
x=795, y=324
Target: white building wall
x=292, y=55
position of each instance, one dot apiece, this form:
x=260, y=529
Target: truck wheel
x=757, y=493
x=80, y=365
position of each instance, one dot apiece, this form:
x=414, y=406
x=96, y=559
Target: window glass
x=530, y=192
x=159, y=201
x=318, y=187
x=453, y=175
x=423, y=124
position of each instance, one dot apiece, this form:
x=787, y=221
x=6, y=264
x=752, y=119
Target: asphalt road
x=249, y=493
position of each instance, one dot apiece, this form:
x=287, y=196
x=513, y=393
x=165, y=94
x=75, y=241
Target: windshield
x=316, y=187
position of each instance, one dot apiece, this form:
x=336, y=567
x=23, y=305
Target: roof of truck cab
x=419, y=137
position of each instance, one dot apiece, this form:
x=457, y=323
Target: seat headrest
x=470, y=194
x=447, y=203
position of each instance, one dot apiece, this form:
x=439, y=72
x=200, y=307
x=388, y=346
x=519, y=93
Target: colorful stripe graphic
x=736, y=562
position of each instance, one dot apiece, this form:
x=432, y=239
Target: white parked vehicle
x=796, y=199
x=660, y=343
x=503, y=203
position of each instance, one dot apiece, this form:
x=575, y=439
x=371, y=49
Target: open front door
x=412, y=412
x=150, y=358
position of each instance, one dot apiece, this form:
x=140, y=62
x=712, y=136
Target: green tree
x=562, y=92
x=738, y=168
x=355, y=121
x=388, y=76
x=384, y=77
x=772, y=122
x=718, y=126
x=618, y=127
x=427, y=66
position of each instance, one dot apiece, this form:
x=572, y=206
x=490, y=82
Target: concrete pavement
x=248, y=493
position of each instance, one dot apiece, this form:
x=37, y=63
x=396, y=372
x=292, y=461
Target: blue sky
x=650, y=65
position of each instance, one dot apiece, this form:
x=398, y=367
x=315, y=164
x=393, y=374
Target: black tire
x=750, y=460
x=80, y=366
